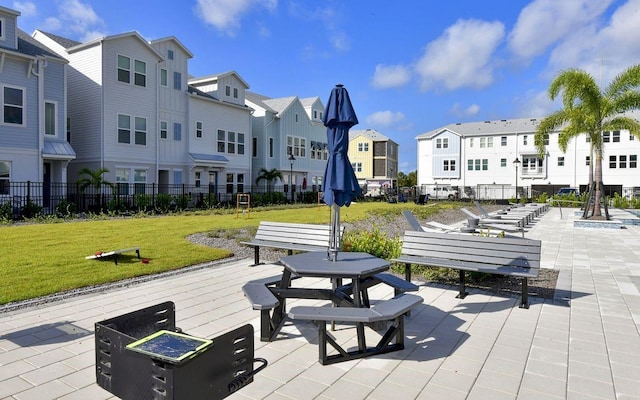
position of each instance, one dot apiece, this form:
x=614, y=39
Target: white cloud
x=388, y=76
x=76, y=19
x=385, y=119
x=225, y=15
x=545, y=22
x=469, y=111
x=52, y=24
x=462, y=56
x=26, y=8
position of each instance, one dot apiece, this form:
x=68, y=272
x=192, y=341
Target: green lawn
x=42, y=259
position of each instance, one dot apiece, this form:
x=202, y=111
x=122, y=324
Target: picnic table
x=351, y=301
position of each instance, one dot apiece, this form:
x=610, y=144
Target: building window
x=606, y=136
x=177, y=177
x=13, y=101
x=503, y=162
x=141, y=131
x=296, y=146
x=240, y=143
x=525, y=140
x=613, y=160
x=164, y=77
x=199, y=129
x=124, y=129
x=503, y=141
x=622, y=162
x=227, y=91
x=270, y=147
x=122, y=180
x=449, y=165
x=49, y=118
x=140, y=73
x=177, y=81
x=197, y=179
x=470, y=142
x=5, y=177
x=170, y=54
x=2, y=36
x=366, y=147
x=633, y=161
x=485, y=164
x=546, y=139
x=177, y=131
x=631, y=137
x=240, y=182
x=68, y=129
x=469, y=165
x=254, y=147
x=124, y=69
x=616, y=137
x=229, y=183
x=357, y=166
x=139, y=180
x=477, y=165
x=231, y=142
x=235, y=93
x=442, y=143
x=560, y=161
x=490, y=141
x=483, y=142
x=587, y=160
x=315, y=114
x=164, y=129
x=221, y=141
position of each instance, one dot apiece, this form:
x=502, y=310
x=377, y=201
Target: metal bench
x=386, y=310
x=495, y=255
x=291, y=237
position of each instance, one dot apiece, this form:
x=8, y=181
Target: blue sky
x=410, y=66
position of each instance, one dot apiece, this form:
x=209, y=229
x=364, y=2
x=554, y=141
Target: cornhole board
x=114, y=254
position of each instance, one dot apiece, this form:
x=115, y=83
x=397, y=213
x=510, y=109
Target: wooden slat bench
x=290, y=237
x=495, y=255
x=113, y=254
x=393, y=310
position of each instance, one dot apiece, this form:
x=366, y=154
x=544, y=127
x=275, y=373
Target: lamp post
x=516, y=163
x=291, y=160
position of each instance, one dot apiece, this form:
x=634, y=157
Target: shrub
x=374, y=242
x=6, y=211
x=66, y=209
x=163, y=202
x=30, y=210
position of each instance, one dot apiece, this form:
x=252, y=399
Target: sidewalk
x=585, y=344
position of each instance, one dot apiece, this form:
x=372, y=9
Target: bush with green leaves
x=66, y=209
x=143, y=201
x=30, y=210
x=374, y=242
x=6, y=211
x=182, y=201
x=163, y=202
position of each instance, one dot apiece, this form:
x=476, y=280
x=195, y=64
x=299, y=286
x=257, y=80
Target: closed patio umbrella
x=340, y=185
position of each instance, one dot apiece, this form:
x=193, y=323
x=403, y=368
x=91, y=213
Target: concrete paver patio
x=584, y=344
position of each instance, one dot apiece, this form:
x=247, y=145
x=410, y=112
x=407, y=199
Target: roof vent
x=487, y=122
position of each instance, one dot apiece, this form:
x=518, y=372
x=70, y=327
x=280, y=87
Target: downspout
x=36, y=69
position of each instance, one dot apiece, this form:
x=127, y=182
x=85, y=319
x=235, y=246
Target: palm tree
x=588, y=110
x=95, y=179
x=269, y=176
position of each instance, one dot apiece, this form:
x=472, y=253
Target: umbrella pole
x=334, y=238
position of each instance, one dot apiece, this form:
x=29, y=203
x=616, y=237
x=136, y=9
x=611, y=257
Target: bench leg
x=461, y=288
x=138, y=253
x=256, y=256
x=407, y=272
x=525, y=294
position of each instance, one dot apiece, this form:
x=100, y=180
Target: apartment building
x=374, y=158
x=469, y=155
x=33, y=81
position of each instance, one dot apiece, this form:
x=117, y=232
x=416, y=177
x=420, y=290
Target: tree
x=590, y=111
x=269, y=176
x=407, y=180
x=95, y=179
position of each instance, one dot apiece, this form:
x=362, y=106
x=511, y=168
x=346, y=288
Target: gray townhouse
x=33, y=126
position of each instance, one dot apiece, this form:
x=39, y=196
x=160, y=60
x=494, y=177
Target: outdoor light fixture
x=291, y=160
x=516, y=163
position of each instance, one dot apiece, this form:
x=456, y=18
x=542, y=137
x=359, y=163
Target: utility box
x=214, y=373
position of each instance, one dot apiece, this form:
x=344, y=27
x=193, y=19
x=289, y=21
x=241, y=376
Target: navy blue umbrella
x=339, y=185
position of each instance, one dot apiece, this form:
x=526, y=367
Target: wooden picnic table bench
x=393, y=309
x=113, y=253
x=290, y=237
x=511, y=256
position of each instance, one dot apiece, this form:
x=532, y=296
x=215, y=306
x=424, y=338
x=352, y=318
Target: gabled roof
x=258, y=100
x=99, y=40
x=173, y=39
x=198, y=92
x=216, y=77
x=64, y=42
x=469, y=129
x=308, y=101
x=370, y=134
x=31, y=48
x=9, y=11
x=280, y=105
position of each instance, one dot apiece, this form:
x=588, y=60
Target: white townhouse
x=288, y=126
x=478, y=155
x=113, y=112
x=134, y=110
x=33, y=143
x=220, y=148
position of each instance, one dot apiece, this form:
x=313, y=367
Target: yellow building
x=375, y=160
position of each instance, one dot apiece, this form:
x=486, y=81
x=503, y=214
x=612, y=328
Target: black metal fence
x=29, y=199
